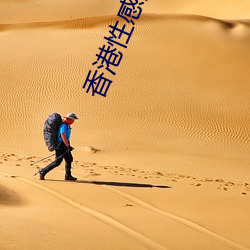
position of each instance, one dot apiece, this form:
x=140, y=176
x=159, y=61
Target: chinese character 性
x=98, y=85
x=114, y=32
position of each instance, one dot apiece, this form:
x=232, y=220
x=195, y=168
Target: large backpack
x=50, y=130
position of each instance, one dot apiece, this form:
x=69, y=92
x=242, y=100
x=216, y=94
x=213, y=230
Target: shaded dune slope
x=8, y=197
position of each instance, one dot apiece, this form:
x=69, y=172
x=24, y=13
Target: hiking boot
x=70, y=178
x=41, y=175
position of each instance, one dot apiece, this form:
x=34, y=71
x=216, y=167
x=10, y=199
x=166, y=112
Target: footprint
x=128, y=205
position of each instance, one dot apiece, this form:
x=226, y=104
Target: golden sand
x=162, y=162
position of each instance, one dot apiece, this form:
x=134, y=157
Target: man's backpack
x=50, y=130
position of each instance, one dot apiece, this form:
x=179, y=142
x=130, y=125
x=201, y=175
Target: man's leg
x=52, y=165
x=68, y=160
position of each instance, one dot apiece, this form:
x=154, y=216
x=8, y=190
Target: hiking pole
x=48, y=157
x=41, y=160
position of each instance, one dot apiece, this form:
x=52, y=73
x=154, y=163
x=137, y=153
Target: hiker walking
x=63, y=149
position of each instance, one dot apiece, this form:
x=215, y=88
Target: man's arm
x=66, y=142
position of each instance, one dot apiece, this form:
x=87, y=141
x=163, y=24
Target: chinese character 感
x=125, y=10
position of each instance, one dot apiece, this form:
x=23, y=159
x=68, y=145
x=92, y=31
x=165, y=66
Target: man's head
x=70, y=118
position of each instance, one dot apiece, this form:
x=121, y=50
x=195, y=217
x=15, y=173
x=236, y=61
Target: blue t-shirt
x=64, y=128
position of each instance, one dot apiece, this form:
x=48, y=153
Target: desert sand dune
x=199, y=107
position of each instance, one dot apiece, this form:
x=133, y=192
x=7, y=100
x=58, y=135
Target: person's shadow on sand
x=117, y=184
x=122, y=184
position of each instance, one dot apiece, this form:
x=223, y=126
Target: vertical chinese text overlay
x=110, y=56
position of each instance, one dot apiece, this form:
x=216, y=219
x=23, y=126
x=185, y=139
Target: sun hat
x=71, y=116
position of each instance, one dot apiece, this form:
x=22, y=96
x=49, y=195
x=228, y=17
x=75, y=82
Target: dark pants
x=67, y=156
